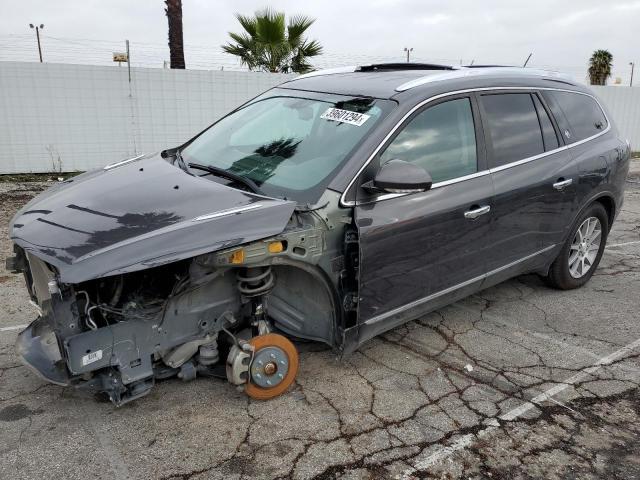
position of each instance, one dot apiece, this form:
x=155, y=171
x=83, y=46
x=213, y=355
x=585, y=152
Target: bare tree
x=176, y=45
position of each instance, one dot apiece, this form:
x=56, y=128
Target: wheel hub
x=269, y=367
x=273, y=367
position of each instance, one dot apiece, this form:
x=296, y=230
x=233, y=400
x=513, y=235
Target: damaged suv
x=331, y=208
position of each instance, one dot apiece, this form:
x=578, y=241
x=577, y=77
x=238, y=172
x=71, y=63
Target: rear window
x=514, y=127
x=583, y=115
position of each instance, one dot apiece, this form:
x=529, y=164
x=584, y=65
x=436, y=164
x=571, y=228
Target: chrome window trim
x=433, y=296
x=345, y=203
x=444, y=183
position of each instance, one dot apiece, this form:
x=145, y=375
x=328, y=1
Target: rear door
x=581, y=120
x=533, y=174
x=421, y=248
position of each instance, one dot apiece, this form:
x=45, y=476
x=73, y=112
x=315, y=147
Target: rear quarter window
x=584, y=117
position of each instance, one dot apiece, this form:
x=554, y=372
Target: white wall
x=85, y=116
x=624, y=105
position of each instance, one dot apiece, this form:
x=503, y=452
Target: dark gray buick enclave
x=331, y=208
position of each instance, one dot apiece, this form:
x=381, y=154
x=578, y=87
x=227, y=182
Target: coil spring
x=254, y=282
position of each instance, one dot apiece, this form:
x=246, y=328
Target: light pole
x=38, y=28
x=408, y=50
x=633, y=64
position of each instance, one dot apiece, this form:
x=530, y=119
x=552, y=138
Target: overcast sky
x=561, y=34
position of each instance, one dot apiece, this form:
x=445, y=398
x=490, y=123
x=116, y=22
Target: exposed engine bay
x=220, y=314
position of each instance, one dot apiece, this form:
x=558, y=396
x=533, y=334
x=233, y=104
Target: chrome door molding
x=417, y=303
x=346, y=203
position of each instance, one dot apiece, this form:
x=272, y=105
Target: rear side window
x=584, y=115
x=441, y=139
x=514, y=127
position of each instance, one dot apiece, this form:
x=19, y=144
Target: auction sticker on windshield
x=345, y=116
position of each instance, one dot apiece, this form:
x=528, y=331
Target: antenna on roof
x=527, y=60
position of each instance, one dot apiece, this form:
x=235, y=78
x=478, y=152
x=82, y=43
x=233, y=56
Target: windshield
x=288, y=146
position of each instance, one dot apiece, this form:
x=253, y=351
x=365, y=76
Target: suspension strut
x=255, y=283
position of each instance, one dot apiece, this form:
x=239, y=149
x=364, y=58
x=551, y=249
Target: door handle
x=476, y=212
x=562, y=184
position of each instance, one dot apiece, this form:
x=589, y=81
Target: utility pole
x=408, y=50
x=633, y=64
x=38, y=28
x=128, y=64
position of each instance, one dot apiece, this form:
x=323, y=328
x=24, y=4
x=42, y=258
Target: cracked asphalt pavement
x=518, y=381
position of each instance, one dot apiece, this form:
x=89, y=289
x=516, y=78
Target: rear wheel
x=582, y=251
x=274, y=366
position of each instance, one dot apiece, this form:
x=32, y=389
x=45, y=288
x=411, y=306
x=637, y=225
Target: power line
x=19, y=47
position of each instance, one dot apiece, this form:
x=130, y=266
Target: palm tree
x=270, y=44
x=600, y=67
x=176, y=46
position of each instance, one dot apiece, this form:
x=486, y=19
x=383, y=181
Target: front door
x=416, y=249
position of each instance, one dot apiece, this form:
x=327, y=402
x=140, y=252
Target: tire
x=575, y=264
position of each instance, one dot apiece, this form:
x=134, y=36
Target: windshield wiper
x=181, y=163
x=221, y=172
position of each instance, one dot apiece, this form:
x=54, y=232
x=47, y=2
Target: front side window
x=582, y=112
x=288, y=146
x=441, y=139
x=513, y=126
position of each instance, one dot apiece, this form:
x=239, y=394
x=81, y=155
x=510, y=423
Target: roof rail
x=377, y=67
x=328, y=71
x=486, y=70
x=403, y=66
x=491, y=66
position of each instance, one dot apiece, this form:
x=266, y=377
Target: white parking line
x=501, y=321
x=466, y=440
x=14, y=327
x=624, y=244
x=105, y=442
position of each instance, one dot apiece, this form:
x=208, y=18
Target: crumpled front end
x=38, y=344
x=117, y=335
x=117, y=331
x=38, y=348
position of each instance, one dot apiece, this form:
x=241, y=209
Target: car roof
x=391, y=80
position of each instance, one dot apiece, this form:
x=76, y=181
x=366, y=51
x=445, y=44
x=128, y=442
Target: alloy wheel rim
x=585, y=247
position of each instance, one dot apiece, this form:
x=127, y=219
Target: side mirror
x=398, y=176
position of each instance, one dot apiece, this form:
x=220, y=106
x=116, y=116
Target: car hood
x=137, y=215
